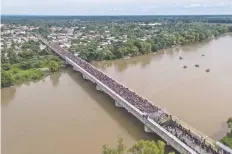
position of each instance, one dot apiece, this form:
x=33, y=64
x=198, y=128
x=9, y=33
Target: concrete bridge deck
x=169, y=128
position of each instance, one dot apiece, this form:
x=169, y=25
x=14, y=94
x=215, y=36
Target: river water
x=65, y=114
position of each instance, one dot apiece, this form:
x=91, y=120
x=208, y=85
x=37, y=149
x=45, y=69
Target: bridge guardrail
x=223, y=147
x=197, y=133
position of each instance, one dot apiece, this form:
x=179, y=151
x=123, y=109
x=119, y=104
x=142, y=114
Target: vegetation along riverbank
x=32, y=62
x=227, y=140
x=148, y=39
x=140, y=147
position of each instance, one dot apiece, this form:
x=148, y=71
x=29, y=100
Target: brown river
x=64, y=113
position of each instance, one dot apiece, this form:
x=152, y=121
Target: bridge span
x=176, y=133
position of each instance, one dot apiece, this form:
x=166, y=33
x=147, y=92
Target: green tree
x=25, y=65
x=27, y=54
x=229, y=123
x=123, y=51
x=145, y=47
x=4, y=58
x=43, y=31
x=140, y=147
x=134, y=50
x=5, y=67
x=44, y=52
x=53, y=66
x=227, y=141
x=137, y=44
x=32, y=45
x=120, y=149
x=13, y=58
x=148, y=147
x=6, y=79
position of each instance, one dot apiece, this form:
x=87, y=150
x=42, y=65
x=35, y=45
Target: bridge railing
x=195, y=132
x=223, y=149
x=167, y=136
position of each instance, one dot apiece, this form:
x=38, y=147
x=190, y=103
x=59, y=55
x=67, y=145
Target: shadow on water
x=223, y=127
x=103, y=65
x=120, y=67
x=122, y=64
x=55, y=79
x=146, y=61
x=133, y=126
x=7, y=95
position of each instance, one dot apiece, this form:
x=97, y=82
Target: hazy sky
x=115, y=7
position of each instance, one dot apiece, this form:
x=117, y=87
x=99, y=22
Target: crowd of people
x=189, y=138
x=155, y=113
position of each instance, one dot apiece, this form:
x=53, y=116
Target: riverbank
x=166, y=37
x=167, y=48
x=162, y=51
x=29, y=62
x=29, y=70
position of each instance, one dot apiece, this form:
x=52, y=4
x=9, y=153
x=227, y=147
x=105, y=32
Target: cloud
x=117, y=9
x=192, y=5
x=109, y=7
x=147, y=8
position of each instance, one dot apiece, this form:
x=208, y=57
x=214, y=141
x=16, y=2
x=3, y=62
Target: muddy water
x=65, y=114
x=203, y=100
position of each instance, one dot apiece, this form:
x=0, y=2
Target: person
x=144, y=116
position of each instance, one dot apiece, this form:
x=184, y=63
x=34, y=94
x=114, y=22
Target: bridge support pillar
x=75, y=69
x=117, y=104
x=66, y=62
x=148, y=130
x=98, y=88
x=84, y=77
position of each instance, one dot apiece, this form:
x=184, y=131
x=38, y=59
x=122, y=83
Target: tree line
x=140, y=147
x=164, y=37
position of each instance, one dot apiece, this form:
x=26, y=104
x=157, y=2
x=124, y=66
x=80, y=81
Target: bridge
x=175, y=132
